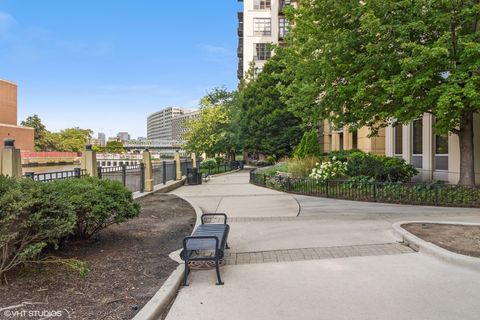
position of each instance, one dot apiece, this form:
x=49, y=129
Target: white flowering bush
x=329, y=170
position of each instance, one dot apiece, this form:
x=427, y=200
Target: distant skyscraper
x=102, y=140
x=123, y=136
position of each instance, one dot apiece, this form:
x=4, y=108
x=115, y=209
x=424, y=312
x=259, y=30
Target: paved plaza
x=298, y=257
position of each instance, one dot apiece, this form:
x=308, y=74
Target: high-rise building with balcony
x=261, y=24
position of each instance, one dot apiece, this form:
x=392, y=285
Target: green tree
x=266, y=125
x=370, y=63
x=212, y=131
x=40, y=131
x=114, y=147
x=73, y=139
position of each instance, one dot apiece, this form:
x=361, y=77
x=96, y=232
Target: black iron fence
x=132, y=177
x=389, y=192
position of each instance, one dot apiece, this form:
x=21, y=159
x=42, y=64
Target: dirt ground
x=457, y=238
x=128, y=263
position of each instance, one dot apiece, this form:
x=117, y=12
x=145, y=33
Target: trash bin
x=194, y=176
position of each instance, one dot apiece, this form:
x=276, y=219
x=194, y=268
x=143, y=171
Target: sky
x=106, y=65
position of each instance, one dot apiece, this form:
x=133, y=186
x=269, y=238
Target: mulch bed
x=456, y=238
x=128, y=263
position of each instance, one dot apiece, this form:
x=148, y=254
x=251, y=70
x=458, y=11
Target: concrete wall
x=330, y=140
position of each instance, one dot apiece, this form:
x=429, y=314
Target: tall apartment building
x=159, y=124
x=102, y=139
x=24, y=137
x=261, y=23
x=178, y=124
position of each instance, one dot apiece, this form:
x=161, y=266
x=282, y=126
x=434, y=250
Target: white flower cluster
x=329, y=170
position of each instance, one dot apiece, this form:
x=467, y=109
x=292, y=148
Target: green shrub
x=381, y=168
x=97, y=203
x=220, y=160
x=344, y=155
x=301, y=167
x=209, y=163
x=272, y=159
x=308, y=146
x=329, y=170
x=31, y=218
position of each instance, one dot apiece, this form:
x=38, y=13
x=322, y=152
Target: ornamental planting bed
x=128, y=263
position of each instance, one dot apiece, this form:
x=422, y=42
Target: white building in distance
x=159, y=124
x=178, y=124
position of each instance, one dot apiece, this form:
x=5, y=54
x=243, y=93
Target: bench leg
x=185, y=275
x=219, y=283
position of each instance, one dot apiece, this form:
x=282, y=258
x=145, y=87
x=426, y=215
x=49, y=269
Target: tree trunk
x=467, y=158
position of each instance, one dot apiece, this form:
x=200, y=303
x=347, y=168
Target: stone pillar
x=178, y=164
x=10, y=159
x=147, y=161
x=194, y=160
x=428, y=151
x=89, y=161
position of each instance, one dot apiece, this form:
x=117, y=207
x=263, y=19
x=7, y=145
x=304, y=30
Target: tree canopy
x=371, y=63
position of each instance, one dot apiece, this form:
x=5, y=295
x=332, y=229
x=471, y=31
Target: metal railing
x=57, y=175
x=389, y=192
x=131, y=176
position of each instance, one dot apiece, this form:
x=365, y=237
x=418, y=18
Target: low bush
x=301, y=167
x=344, y=155
x=97, y=203
x=209, y=163
x=35, y=215
x=329, y=170
x=380, y=168
x=31, y=218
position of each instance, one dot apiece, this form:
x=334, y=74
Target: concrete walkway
x=297, y=257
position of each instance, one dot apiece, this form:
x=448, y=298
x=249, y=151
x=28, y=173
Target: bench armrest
x=213, y=215
x=185, y=241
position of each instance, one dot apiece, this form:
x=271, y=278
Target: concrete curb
x=155, y=308
x=162, y=188
x=435, y=251
x=224, y=173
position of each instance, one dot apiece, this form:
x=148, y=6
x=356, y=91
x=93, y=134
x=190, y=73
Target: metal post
x=326, y=188
x=77, y=172
x=124, y=174
x=99, y=172
x=164, y=169
x=142, y=177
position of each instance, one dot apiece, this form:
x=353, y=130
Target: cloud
x=216, y=50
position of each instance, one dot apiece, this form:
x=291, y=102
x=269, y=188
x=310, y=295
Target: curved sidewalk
x=296, y=257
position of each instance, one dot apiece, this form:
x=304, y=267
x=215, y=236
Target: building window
x=398, y=140
x=262, y=51
x=355, y=140
x=341, y=140
x=441, y=153
x=417, y=143
x=262, y=4
x=283, y=27
x=262, y=26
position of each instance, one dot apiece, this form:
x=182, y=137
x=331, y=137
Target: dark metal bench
x=207, y=237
